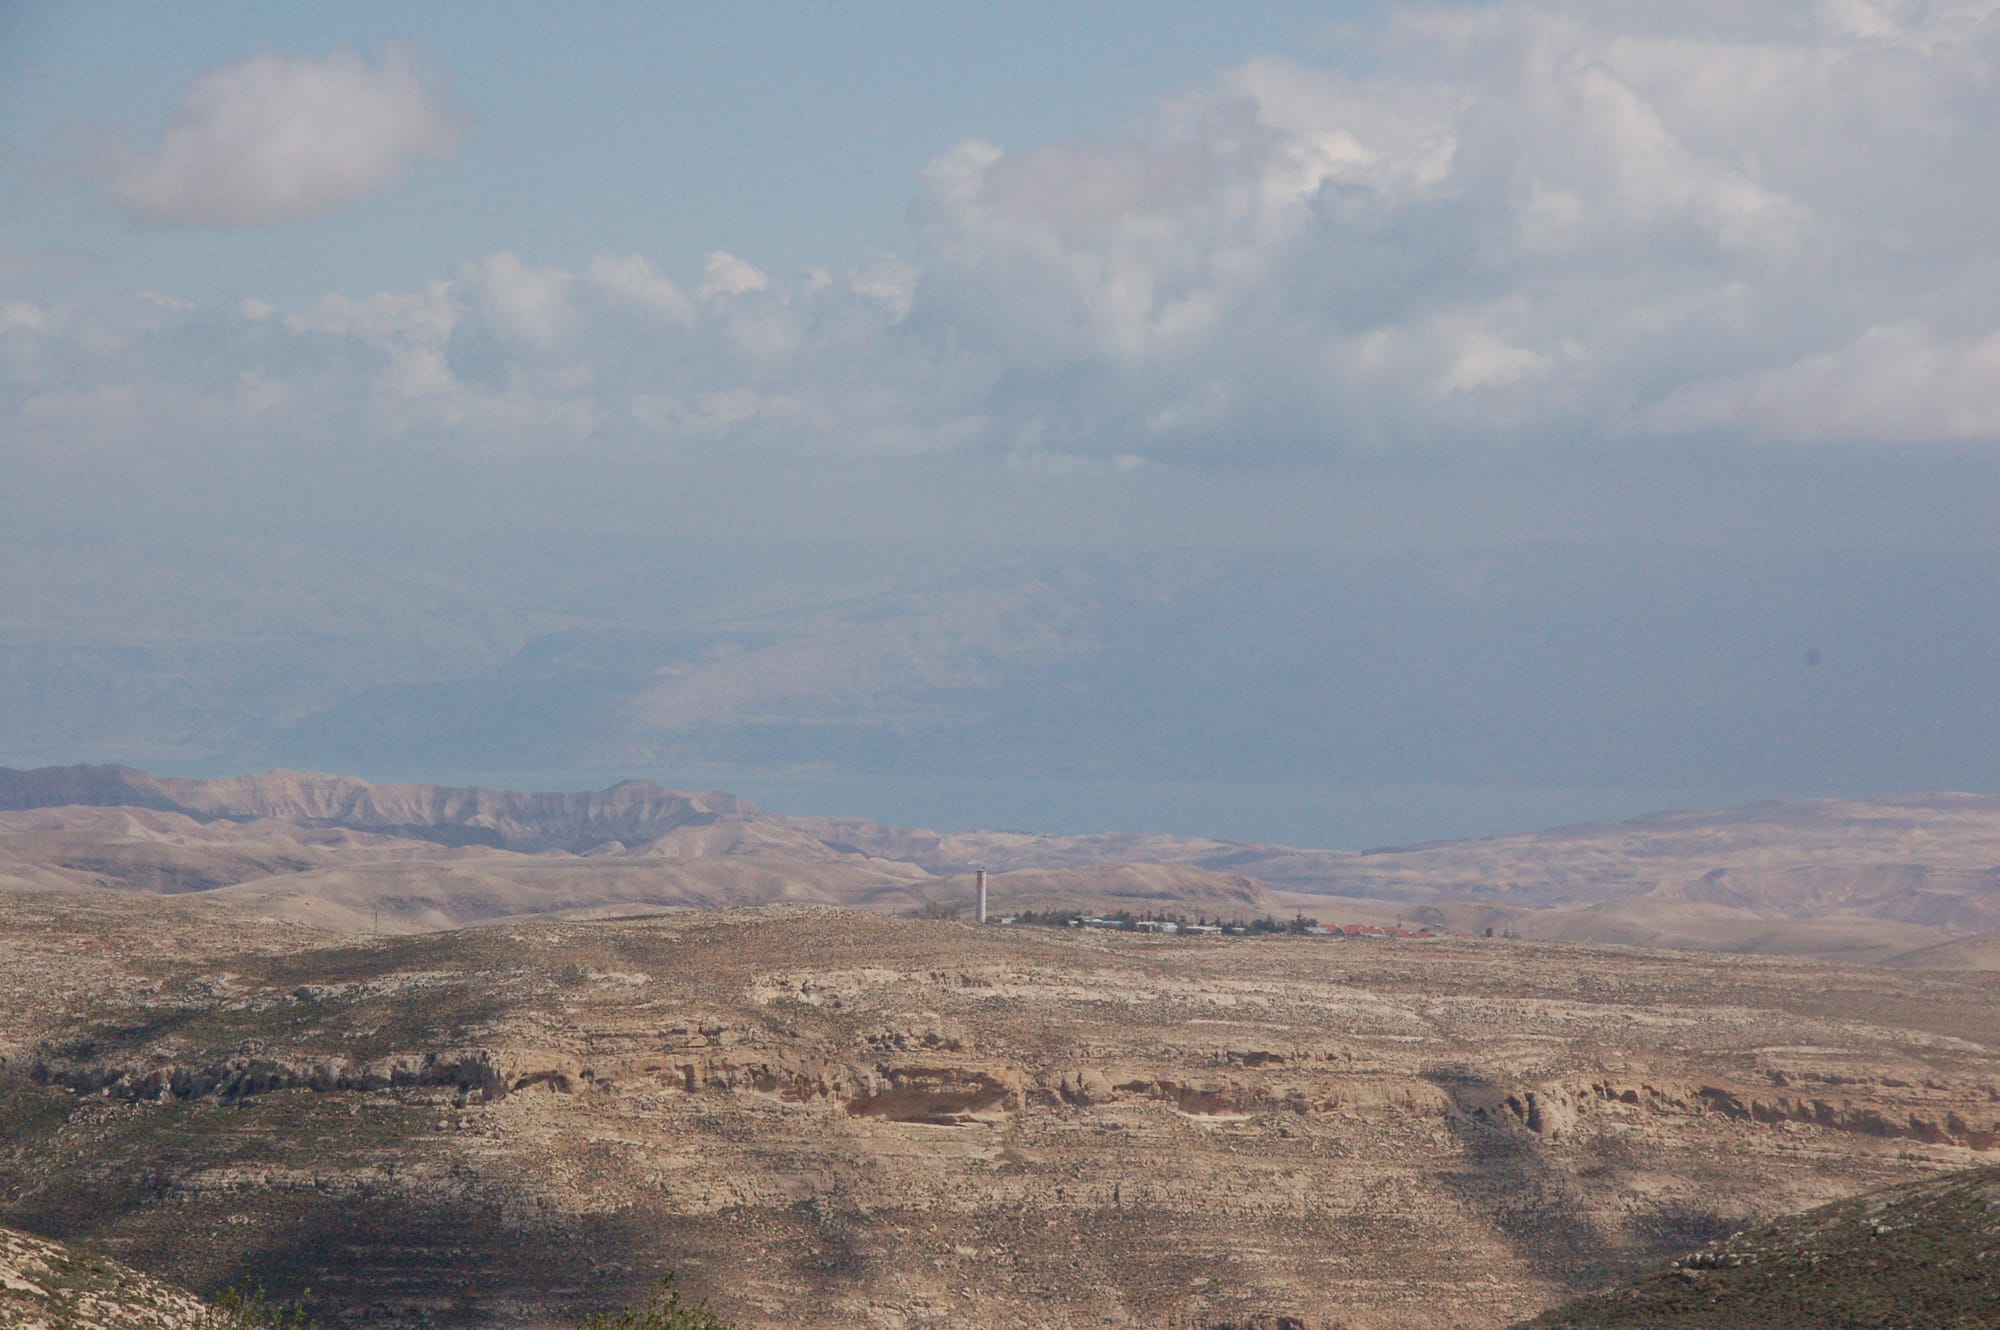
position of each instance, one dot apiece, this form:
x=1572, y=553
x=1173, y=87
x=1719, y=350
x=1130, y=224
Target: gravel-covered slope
x=1924, y=1256
x=46, y=1285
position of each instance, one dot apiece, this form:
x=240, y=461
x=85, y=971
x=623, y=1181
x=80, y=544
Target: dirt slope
x=1922, y=1256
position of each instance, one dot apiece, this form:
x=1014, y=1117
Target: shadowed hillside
x=1925, y=1256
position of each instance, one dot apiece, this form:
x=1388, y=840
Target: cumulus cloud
x=1901, y=381
x=1531, y=220
x=1525, y=220
x=633, y=280
x=726, y=275
x=521, y=302
x=276, y=139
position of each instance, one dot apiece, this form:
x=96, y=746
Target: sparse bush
x=247, y=1307
x=665, y=1308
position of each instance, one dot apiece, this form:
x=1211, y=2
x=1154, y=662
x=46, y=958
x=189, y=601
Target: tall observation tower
x=980, y=878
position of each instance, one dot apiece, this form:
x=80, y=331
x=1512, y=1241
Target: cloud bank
x=1516, y=225
x=277, y=139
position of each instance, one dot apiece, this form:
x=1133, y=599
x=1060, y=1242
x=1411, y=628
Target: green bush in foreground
x=665, y=1308
x=248, y=1307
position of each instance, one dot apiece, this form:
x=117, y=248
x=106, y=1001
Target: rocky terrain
x=848, y=1119
x=1911, y=881
x=1921, y=1256
x=47, y=1286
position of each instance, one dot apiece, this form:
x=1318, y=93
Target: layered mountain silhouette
x=1914, y=879
x=629, y=811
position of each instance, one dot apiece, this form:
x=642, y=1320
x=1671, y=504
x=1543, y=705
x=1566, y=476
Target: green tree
x=247, y=1307
x=665, y=1307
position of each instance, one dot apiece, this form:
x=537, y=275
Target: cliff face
x=630, y=812
x=832, y=1118
x=83, y=786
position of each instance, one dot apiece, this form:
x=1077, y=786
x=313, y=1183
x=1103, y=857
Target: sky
x=436, y=300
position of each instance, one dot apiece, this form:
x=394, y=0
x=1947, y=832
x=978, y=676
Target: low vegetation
x=664, y=1307
x=1921, y=1257
x=248, y=1307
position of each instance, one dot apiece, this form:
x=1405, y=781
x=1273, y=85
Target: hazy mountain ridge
x=528, y=822
x=1865, y=880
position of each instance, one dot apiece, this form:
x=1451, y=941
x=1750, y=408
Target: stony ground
x=47, y=1286
x=832, y=1118
x=1924, y=1256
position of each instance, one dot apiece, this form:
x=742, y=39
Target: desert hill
x=1921, y=1256
x=49, y=1286
x=1979, y=952
x=850, y=1119
x=632, y=811
x=1894, y=879
x=369, y=881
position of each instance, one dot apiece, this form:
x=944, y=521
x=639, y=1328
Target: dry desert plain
x=830, y=1117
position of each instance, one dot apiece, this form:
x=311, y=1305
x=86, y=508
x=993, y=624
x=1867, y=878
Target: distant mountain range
x=1914, y=880
x=632, y=811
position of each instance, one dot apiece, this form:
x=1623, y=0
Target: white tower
x=982, y=895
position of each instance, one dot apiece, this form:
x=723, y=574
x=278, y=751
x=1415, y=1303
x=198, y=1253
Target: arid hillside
x=1920, y=1256
x=832, y=1117
x=1912, y=881
x=47, y=1286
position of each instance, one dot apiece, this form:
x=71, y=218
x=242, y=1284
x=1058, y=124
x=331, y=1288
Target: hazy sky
x=1066, y=276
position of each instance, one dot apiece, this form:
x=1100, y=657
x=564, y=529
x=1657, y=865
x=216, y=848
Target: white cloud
x=632, y=280
x=425, y=317
x=1485, y=361
x=1892, y=383
x=276, y=139
x=726, y=275
x=1525, y=221
x=521, y=302
x=22, y=314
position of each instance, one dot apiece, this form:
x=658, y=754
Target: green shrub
x=248, y=1307
x=664, y=1308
